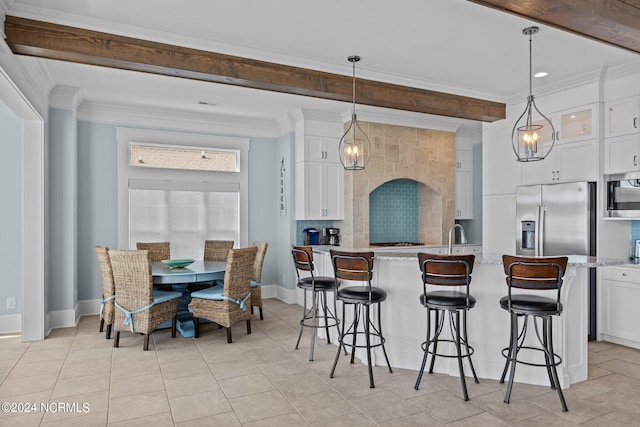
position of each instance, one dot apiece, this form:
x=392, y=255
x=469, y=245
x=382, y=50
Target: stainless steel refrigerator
x=556, y=219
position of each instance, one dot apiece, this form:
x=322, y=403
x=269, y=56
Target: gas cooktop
x=396, y=244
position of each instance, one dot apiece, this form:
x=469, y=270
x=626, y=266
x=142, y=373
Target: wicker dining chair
x=139, y=308
x=229, y=304
x=217, y=250
x=256, y=279
x=107, y=303
x=158, y=251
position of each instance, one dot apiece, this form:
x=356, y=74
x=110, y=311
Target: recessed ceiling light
x=540, y=74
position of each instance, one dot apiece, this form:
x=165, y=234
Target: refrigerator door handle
x=536, y=249
x=542, y=215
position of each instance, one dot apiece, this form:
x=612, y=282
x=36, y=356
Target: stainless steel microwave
x=623, y=196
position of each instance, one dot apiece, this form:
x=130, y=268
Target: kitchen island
x=404, y=318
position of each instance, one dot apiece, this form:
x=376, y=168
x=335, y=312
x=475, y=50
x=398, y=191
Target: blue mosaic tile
x=393, y=211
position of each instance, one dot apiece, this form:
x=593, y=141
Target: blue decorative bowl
x=177, y=263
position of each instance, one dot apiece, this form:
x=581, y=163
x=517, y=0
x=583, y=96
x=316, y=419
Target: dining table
x=200, y=272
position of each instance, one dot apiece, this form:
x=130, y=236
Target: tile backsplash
x=635, y=235
x=301, y=225
x=393, y=212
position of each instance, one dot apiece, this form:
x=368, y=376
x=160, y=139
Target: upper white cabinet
x=622, y=153
x=464, y=184
x=321, y=149
x=567, y=162
x=622, y=116
x=574, y=156
x=622, y=135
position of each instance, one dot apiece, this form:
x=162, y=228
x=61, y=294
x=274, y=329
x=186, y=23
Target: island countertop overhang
x=411, y=255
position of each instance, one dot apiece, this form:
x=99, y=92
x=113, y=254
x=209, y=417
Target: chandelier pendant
x=532, y=124
x=354, y=148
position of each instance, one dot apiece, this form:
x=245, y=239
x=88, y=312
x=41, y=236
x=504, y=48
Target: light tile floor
x=260, y=380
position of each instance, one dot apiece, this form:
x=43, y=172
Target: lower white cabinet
x=319, y=191
x=619, y=299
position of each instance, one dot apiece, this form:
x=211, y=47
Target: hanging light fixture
x=354, y=148
x=526, y=134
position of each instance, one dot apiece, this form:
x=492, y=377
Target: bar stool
x=358, y=266
x=318, y=286
x=538, y=274
x=447, y=270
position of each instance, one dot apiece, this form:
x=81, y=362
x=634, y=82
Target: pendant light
x=527, y=133
x=354, y=148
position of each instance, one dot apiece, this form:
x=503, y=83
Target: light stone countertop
x=411, y=253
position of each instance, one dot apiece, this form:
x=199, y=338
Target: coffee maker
x=332, y=236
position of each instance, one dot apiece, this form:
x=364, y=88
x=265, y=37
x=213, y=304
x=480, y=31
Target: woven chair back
x=108, y=286
x=237, y=276
x=158, y=251
x=132, y=278
x=257, y=265
x=217, y=250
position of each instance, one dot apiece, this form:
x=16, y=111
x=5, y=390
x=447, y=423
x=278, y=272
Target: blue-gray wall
x=82, y=174
x=11, y=212
x=62, y=210
x=97, y=202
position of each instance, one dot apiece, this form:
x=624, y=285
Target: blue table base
x=184, y=324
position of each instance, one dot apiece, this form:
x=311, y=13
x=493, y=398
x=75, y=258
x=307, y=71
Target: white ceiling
x=447, y=45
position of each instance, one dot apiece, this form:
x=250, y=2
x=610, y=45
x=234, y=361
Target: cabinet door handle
x=557, y=135
x=635, y=160
x=635, y=123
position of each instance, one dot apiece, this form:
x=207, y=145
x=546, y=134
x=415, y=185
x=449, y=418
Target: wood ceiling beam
x=53, y=41
x=615, y=22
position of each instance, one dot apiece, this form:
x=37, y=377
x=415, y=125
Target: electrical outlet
x=11, y=303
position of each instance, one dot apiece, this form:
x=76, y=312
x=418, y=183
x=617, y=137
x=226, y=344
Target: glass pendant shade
x=533, y=135
x=354, y=148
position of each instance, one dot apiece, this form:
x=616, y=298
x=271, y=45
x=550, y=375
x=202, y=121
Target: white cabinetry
x=319, y=149
x=622, y=153
x=622, y=135
x=574, y=156
x=319, y=191
x=464, y=184
x=619, y=299
x=622, y=116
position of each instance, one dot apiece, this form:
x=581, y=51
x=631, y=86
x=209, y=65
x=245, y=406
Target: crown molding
x=623, y=70
x=133, y=115
x=65, y=97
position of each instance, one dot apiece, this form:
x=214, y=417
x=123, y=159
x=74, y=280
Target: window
x=185, y=214
x=197, y=158
x=170, y=200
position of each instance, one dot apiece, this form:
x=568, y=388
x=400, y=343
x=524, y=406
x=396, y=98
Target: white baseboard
x=61, y=319
x=87, y=307
x=277, y=291
x=10, y=323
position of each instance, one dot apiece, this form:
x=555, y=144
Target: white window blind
x=184, y=214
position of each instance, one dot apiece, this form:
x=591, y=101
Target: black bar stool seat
x=539, y=274
x=358, y=294
x=317, y=282
x=447, y=271
x=448, y=300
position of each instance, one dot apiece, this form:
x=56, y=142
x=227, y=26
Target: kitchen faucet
x=463, y=238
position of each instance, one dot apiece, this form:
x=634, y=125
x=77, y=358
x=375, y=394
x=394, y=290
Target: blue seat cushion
x=447, y=300
x=358, y=294
x=214, y=293
x=531, y=304
x=254, y=284
x=164, y=296
x=322, y=283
